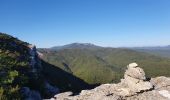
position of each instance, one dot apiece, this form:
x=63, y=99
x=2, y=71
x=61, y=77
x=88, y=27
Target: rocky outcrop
x=35, y=62
x=134, y=86
x=35, y=75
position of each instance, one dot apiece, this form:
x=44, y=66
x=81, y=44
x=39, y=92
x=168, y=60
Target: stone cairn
x=134, y=81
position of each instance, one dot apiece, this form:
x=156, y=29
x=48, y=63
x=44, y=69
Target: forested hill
x=15, y=68
x=24, y=76
x=95, y=64
x=76, y=45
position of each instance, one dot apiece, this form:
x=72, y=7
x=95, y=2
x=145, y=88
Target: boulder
x=160, y=82
x=136, y=85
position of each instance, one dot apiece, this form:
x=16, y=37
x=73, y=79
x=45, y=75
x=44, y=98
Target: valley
x=97, y=65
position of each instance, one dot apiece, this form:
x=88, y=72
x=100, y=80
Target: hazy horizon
x=107, y=23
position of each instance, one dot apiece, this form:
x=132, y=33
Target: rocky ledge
x=134, y=86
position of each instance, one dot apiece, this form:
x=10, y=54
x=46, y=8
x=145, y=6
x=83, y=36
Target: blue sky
x=115, y=23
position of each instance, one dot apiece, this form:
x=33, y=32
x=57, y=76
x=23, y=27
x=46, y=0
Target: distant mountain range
x=154, y=47
x=92, y=46
x=76, y=45
x=96, y=64
x=163, y=51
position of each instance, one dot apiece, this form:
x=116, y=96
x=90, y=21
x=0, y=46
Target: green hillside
x=103, y=65
x=14, y=63
x=21, y=67
x=83, y=64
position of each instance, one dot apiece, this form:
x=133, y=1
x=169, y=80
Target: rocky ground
x=134, y=86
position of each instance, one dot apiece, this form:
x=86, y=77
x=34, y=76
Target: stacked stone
x=135, y=79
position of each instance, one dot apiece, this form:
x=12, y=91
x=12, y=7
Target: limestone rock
x=165, y=93
x=150, y=95
x=63, y=96
x=137, y=85
x=133, y=87
x=160, y=82
x=102, y=92
x=132, y=65
x=135, y=72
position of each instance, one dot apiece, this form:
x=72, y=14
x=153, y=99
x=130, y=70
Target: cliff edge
x=134, y=86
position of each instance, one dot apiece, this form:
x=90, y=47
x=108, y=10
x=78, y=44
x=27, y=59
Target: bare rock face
x=160, y=82
x=133, y=87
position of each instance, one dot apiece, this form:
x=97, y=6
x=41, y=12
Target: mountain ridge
x=73, y=45
x=162, y=51
x=82, y=62
x=76, y=45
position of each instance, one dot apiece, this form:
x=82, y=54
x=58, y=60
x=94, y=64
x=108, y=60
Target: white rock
x=137, y=73
x=165, y=93
x=132, y=65
x=124, y=92
x=136, y=85
x=160, y=82
x=62, y=96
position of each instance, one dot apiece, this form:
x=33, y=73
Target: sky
x=110, y=23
